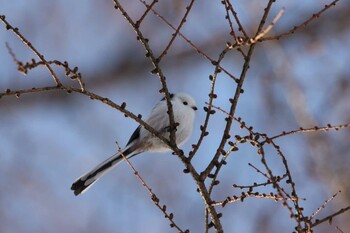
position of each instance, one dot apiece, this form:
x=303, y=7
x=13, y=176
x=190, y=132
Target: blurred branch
x=245, y=195
x=229, y=7
x=330, y=217
x=71, y=73
x=31, y=47
x=183, y=20
x=269, y=27
x=323, y=205
x=303, y=24
x=188, y=41
x=314, y=129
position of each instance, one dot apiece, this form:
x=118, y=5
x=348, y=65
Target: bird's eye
x=185, y=103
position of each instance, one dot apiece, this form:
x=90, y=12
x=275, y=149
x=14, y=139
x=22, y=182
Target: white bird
x=141, y=140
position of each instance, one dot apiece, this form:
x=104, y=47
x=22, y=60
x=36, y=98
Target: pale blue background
x=47, y=140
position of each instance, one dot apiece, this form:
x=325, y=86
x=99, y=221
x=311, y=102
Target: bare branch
x=268, y=28
x=310, y=130
x=198, y=50
x=157, y=70
x=154, y=197
x=31, y=47
x=323, y=205
x=244, y=195
x=330, y=217
x=183, y=20
x=303, y=24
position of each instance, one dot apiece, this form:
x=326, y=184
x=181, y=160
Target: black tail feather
x=82, y=183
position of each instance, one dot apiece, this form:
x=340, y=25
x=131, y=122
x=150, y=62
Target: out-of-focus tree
x=277, y=78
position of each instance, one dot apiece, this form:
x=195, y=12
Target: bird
x=184, y=107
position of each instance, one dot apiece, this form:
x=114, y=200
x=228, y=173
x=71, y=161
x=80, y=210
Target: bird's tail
x=86, y=181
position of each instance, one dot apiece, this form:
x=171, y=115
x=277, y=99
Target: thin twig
x=165, y=51
x=138, y=22
x=323, y=205
x=338, y=229
x=234, y=199
x=313, y=129
x=31, y=47
x=154, y=197
x=157, y=70
x=228, y=17
x=301, y=25
x=73, y=74
x=255, y=185
x=235, y=15
x=209, y=111
x=188, y=41
x=330, y=217
x=237, y=94
x=269, y=27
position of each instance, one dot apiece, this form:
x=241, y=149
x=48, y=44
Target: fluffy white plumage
x=141, y=140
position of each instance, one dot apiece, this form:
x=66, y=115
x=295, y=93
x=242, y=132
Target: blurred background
x=49, y=139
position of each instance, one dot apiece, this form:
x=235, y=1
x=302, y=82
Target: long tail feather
x=86, y=181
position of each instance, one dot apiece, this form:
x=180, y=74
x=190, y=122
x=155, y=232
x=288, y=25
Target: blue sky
x=50, y=139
